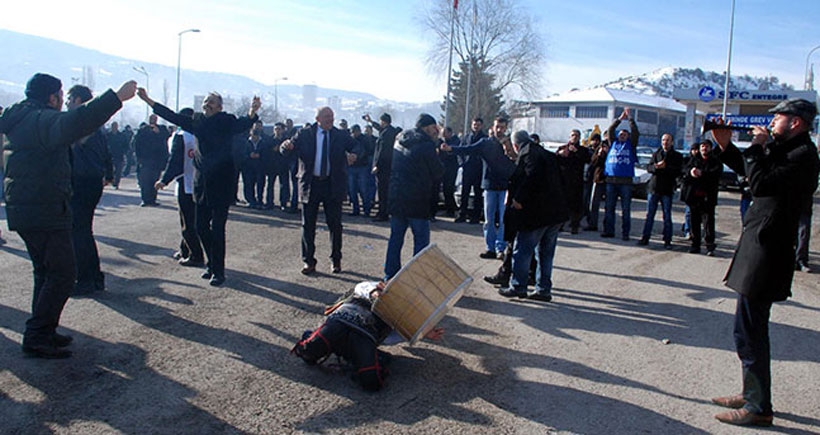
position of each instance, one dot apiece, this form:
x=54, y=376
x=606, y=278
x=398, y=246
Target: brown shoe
x=734, y=402
x=742, y=417
x=308, y=269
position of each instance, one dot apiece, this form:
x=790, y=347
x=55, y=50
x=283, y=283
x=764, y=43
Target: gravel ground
x=163, y=352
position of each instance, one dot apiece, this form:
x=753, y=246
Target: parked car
x=642, y=176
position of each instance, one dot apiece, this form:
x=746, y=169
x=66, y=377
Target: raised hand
x=127, y=90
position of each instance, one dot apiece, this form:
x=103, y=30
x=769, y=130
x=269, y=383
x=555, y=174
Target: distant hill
x=663, y=81
x=23, y=55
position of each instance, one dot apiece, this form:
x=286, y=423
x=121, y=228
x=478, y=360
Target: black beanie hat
x=425, y=120
x=41, y=86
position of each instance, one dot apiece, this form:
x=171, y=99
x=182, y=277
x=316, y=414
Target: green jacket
x=37, y=179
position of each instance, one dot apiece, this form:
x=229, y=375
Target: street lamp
x=142, y=71
x=179, y=58
x=276, y=94
x=806, y=85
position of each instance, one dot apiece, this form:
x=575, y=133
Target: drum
x=420, y=294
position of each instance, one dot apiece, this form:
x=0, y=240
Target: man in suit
x=323, y=153
x=214, y=179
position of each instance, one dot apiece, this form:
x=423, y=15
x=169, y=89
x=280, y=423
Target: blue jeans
x=398, y=228
x=541, y=242
x=494, y=201
x=613, y=191
x=358, y=185
x=652, y=207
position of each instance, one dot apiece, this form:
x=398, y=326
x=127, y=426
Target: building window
x=555, y=112
x=647, y=117
x=591, y=112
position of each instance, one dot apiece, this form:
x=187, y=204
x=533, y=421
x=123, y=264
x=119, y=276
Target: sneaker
x=487, y=255
x=510, y=292
x=540, y=296
x=803, y=267
x=499, y=255
x=710, y=253
x=667, y=245
x=499, y=279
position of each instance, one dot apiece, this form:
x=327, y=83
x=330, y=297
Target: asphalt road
x=163, y=352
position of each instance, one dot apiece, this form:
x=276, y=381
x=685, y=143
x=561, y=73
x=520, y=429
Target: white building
x=555, y=117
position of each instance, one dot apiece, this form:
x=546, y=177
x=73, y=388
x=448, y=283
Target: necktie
x=325, y=146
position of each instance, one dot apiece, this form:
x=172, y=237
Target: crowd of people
x=57, y=163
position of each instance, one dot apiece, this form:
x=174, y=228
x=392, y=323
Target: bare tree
x=496, y=36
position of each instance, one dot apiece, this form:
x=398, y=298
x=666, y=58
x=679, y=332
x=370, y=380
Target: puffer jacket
x=415, y=168
x=37, y=179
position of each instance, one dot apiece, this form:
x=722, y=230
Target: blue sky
x=379, y=47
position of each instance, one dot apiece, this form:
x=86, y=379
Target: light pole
x=179, y=58
x=142, y=71
x=806, y=85
x=276, y=94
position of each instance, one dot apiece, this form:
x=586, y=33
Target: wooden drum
x=420, y=294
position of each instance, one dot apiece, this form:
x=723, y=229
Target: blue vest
x=620, y=161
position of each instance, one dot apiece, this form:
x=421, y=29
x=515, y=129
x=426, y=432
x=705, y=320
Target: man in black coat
x=665, y=166
x=701, y=177
x=572, y=157
x=383, y=159
x=415, y=170
x=323, y=152
x=118, y=148
x=782, y=173
x=37, y=185
x=537, y=209
x=214, y=178
x=91, y=170
x=151, y=150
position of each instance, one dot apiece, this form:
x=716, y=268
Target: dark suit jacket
x=304, y=146
x=214, y=177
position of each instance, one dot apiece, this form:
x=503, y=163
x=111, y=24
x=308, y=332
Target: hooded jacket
x=37, y=179
x=415, y=169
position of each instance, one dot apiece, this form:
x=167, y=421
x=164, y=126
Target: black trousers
x=449, y=188
x=338, y=338
x=282, y=172
x=147, y=175
x=478, y=200
x=52, y=255
x=383, y=187
x=320, y=194
x=86, y=194
x=189, y=246
x=119, y=163
x=702, y=215
x=210, y=226
x=753, y=349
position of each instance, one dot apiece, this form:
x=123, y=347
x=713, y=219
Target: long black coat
x=536, y=184
x=780, y=181
x=214, y=176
